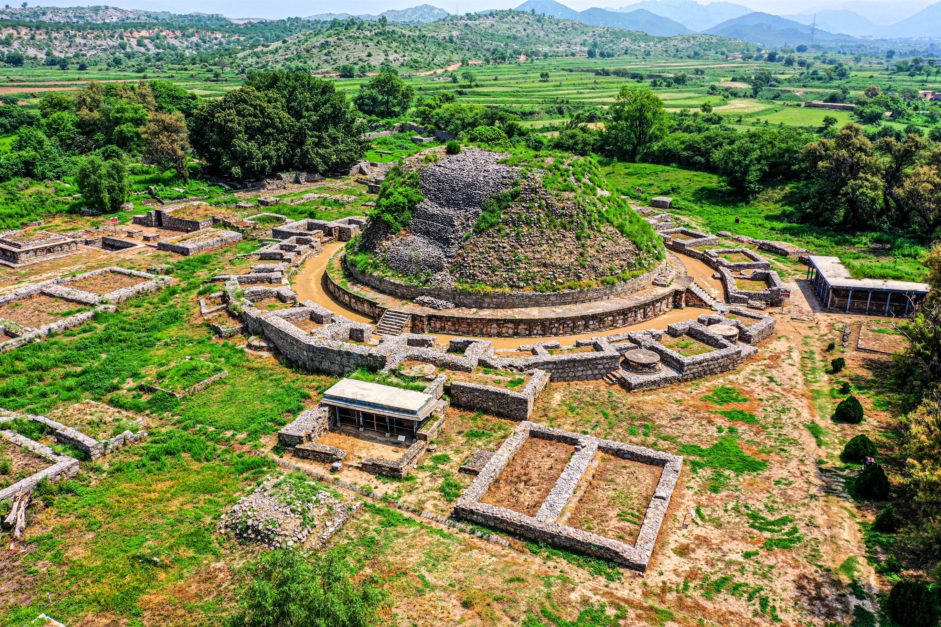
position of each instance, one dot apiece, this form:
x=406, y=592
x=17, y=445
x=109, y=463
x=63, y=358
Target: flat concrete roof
x=380, y=399
x=836, y=274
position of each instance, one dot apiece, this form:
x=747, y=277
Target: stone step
x=392, y=323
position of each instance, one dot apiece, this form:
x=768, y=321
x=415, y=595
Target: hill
x=840, y=21
x=497, y=36
x=106, y=15
x=774, y=31
x=544, y=219
x=639, y=20
x=924, y=24
x=420, y=14
x=693, y=15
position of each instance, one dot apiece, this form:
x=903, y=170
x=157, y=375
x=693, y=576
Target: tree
x=845, y=180
x=167, y=141
x=103, y=184
x=278, y=121
x=872, y=483
x=858, y=449
x=635, y=121
x=288, y=588
x=385, y=96
x=913, y=604
x=850, y=410
x=544, y=77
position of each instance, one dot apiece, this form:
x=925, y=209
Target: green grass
x=186, y=374
x=739, y=415
x=725, y=395
x=725, y=454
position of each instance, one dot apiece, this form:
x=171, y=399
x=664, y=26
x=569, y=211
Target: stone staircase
x=613, y=377
x=704, y=295
x=392, y=323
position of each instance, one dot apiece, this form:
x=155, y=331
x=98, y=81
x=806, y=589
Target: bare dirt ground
x=105, y=283
x=613, y=497
x=529, y=476
x=17, y=463
x=358, y=449
x=95, y=420
x=35, y=311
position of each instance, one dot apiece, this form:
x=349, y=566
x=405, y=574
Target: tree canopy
x=635, y=121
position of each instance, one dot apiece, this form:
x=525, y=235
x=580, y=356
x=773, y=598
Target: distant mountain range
x=640, y=19
x=692, y=15
x=421, y=14
x=679, y=17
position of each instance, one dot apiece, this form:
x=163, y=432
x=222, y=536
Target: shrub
x=837, y=365
x=831, y=347
x=849, y=410
x=845, y=387
x=887, y=521
x=6, y=466
x=288, y=587
x=490, y=135
x=872, y=483
x=453, y=147
x=913, y=604
x=858, y=449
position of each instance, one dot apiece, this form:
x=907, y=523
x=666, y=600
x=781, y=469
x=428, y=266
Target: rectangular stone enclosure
x=545, y=524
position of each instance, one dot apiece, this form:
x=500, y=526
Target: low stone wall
x=716, y=260
x=217, y=239
x=309, y=425
x=505, y=300
x=59, y=465
x=587, y=366
x=696, y=239
x=774, y=295
x=322, y=453
x=499, y=401
x=761, y=329
x=679, y=368
x=397, y=468
x=543, y=527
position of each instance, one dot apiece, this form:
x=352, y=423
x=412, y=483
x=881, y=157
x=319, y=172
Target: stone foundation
x=498, y=401
x=59, y=465
x=543, y=527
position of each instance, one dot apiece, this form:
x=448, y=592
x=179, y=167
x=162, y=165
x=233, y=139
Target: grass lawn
x=706, y=201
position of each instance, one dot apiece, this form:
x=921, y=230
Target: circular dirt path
x=308, y=283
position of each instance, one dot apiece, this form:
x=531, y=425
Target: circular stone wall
x=506, y=300
x=606, y=313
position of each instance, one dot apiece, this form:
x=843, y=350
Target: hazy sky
x=894, y=10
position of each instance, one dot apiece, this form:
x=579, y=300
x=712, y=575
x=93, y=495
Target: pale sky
x=898, y=9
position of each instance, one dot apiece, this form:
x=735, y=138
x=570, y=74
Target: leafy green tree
x=858, y=449
x=913, y=604
x=385, y=96
x=845, y=180
x=288, y=588
x=167, y=141
x=104, y=184
x=245, y=134
x=635, y=121
x=32, y=155
x=850, y=410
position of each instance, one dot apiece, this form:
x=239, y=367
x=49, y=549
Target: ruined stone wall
x=505, y=300
x=217, y=240
x=59, y=465
x=499, y=401
x=309, y=425
x=395, y=468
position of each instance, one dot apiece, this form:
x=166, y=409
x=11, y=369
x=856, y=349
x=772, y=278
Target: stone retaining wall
x=544, y=526
x=499, y=401
x=504, y=300
x=760, y=330
x=309, y=425
x=209, y=242
x=774, y=295
x=397, y=468
x=59, y=465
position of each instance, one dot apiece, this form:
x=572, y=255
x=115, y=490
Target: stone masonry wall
x=499, y=401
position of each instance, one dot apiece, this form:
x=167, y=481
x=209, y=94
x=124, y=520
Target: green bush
x=453, y=147
x=887, y=521
x=488, y=135
x=6, y=466
x=291, y=588
x=913, y=604
x=849, y=410
x=872, y=483
x=398, y=196
x=858, y=449
x=845, y=387
x=837, y=365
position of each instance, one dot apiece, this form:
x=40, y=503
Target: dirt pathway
x=309, y=285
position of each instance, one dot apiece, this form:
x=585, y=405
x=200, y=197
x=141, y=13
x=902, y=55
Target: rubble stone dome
x=483, y=220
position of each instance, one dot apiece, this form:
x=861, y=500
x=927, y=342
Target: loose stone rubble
x=543, y=527
x=288, y=511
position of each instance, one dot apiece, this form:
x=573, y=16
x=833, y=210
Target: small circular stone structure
x=420, y=370
x=727, y=332
x=642, y=360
